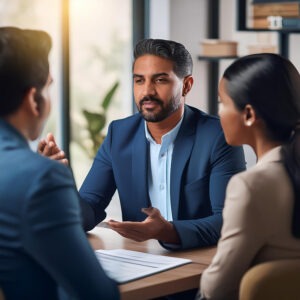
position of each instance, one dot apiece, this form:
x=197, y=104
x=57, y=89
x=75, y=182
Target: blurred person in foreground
x=259, y=106
x=169, y=162
x=44, y=253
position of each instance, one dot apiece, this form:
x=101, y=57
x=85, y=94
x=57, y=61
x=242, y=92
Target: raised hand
x=48, y=147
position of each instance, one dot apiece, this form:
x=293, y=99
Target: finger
x=58, y=156
x=113, y=221
x=50, y=137
x=126, y=224
x=130, y=235
x=121, y=232
x=53, y=148
x=64, y=161
x=41, y=145
x=114, y=224
x=46, y=150
x=151, y=211
x=136, y=227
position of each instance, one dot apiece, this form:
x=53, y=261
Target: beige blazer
x=257, y=226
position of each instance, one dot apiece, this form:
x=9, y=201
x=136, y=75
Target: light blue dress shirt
x=159, y=170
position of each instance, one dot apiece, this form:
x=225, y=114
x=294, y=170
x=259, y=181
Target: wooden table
x=172, y=281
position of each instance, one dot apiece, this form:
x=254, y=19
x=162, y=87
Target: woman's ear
x=187, y=85
x=249, y=115
x=31, y=103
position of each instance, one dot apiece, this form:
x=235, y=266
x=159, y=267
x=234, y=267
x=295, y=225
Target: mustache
x=150, y=98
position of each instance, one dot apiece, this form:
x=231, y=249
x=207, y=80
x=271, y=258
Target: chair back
x=276, y=280
x=1, y=295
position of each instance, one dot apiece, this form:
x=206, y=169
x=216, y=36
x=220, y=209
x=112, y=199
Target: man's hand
x=48, y=147
x=153, y=227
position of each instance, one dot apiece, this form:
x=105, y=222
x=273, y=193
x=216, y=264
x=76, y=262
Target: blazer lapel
x=181, y=153
x=140, y=171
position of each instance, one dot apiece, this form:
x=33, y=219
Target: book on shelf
x=262, y=48
x=217, y=47
x=276, y=22
x=274, y=1
x=259, y=23
x=288, y=9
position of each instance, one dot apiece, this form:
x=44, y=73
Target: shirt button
x=162, y=186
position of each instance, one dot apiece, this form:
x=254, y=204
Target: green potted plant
x=96, y=121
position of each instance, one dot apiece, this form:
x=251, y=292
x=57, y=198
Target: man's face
x=157, y=89
x=44, y=105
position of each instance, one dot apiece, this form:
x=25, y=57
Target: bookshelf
x=213, y=13
x=213, y=10
x=283, y=34
x=213, y=80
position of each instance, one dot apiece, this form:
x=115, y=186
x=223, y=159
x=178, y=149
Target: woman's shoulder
x=260, y=173
x=267, y=179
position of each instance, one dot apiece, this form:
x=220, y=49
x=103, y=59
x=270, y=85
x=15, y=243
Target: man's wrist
x=169, y=234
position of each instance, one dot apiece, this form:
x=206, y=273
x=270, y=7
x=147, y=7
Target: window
x=100, y=56
x=41, y=15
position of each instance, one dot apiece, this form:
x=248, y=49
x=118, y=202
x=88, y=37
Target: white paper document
x=126, y=265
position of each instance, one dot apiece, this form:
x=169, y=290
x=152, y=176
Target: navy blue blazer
x=202, y=164
x=42, y=243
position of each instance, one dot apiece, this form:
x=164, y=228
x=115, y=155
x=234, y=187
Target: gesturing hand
x=153, y=227
x=48, y=147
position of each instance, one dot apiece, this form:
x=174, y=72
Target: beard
x=160, y=112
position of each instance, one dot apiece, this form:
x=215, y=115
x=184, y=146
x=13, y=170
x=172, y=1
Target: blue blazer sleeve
x=121, y=163
x=53, y=236
x=202, y=200
x=98, y=187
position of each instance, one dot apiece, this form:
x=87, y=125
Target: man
x=44, y=252
x=170, y=162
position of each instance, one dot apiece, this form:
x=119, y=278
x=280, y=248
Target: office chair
x=275, y=280
x=1, y=295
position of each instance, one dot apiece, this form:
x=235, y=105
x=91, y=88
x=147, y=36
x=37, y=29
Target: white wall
x=160, y=19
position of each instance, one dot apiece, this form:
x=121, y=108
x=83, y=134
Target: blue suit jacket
x=202, y=164
x=42, y=243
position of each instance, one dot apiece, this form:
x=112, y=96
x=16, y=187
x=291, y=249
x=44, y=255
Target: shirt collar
x=168, y=138
x=272, y=155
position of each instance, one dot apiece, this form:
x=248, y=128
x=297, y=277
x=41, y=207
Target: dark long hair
x=271, y=84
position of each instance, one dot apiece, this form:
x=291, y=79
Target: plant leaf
x=107, y=99
x=95, y=121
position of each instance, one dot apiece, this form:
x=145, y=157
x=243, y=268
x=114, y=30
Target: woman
x=259, y=106
x=44, y=253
